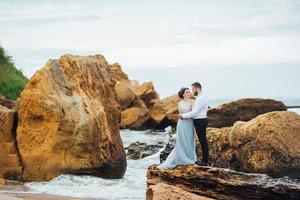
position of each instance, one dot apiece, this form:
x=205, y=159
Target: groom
x=199, y=114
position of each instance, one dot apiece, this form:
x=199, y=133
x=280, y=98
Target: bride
x=184, y=152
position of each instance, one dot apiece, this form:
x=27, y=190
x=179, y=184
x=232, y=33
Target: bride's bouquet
x=169, y=135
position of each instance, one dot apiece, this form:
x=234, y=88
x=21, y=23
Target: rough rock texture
x=242, y=110
x=147, y=93
x=69, y=121
x=161, y=114
x=134, y=118
x=220, y=152
x=10, y=163
x=222, y=183
x=162, y=191
x=140, y=150
x=7, y=102
x=125, y=93
x=118, y=74
x=270, y=143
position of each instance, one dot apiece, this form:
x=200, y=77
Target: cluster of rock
x=267, y=144
x=67, y=121
x=162, y=113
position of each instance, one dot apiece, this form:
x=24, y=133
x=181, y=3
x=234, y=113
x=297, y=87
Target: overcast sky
x=154, y=34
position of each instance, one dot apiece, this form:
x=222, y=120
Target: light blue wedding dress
x=184, y=152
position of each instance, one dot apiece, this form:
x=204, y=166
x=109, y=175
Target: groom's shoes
x=201, y=163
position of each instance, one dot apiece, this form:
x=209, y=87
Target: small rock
x=140, y=150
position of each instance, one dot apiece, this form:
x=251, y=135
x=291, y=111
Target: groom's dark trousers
x=200, y=126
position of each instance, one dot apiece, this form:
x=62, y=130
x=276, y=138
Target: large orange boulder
x=125, y=93
x=134, y=118
x=10, y=163
x=161, y=114
x=69, y=120
x=270, y=143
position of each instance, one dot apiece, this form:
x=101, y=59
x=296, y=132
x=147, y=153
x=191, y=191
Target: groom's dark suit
x=199, y=114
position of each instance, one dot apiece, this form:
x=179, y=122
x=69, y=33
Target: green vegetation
x=12, y=80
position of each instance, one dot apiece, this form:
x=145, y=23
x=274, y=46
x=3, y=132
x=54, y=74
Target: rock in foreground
x=270, y=143
x=162, y=191
x=221, y=183
x=69, y=121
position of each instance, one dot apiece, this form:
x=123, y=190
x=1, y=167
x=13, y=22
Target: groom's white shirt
x=200, y=108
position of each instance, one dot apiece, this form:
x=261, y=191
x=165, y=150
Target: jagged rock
x=125, y=93
x=134, y=118
x=69, y=121
x=222, y=183
x=118, y=74
x=140, y=150
x=147, y=93
x=241, y=110
x=269, y=143
x=162, y=191
x=161, y=114
x=10, y=163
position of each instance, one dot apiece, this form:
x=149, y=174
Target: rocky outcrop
x=69, y=121
x=135, y=99
x=270, y=144
x=162, y=191
x=147, y=93
x=140, y=150
x=161, y=115
x=10, y=163
x=125, y=93
x=118, y=74
x=242, y=110
x=221, y=183
x=134, y=118
x=220, y=152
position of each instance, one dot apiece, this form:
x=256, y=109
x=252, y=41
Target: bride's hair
x=182, y=91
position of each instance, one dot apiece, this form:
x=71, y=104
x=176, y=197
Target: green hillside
x=12, y=80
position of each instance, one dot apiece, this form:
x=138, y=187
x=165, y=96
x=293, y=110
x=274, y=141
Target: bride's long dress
x=184, y=152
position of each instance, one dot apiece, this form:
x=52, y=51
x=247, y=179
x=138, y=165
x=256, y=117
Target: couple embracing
x=192, y=116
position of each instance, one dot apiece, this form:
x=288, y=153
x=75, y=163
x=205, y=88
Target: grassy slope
x=12, y=80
